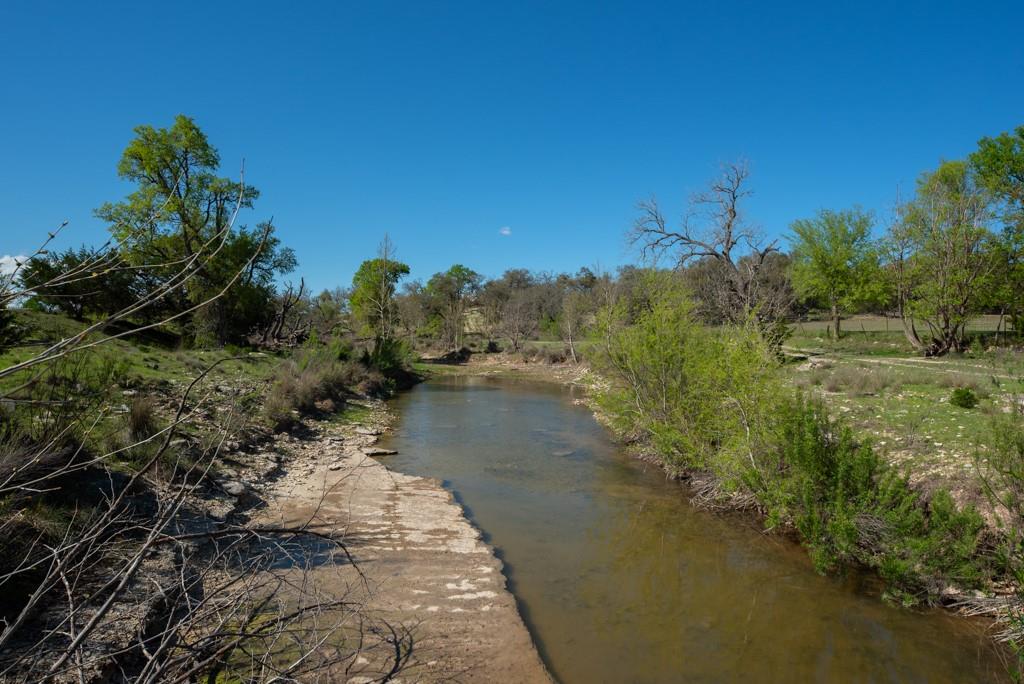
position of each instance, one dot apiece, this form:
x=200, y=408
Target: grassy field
x=901, y=401
x=875, y=335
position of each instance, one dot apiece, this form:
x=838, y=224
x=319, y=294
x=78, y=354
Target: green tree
x=372, y=299
x=80, y=283
x=705, y=396
x=999, y=165
x=10, y=332
x=450, y=292
x=246, y=267
x=941, y=258
x=182, y=212
x=835, y=259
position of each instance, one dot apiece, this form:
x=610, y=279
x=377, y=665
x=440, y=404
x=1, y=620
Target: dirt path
x=427, y=569
x=937, y=365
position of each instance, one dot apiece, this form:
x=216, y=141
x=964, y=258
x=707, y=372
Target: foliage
x=79, y=283
x=709, y=400
x=941, y=259
x=849, y=507
x=703, y=396
x=372, y=298
x=10, y=332
x=964, y=397
x=394, y=360
x=835, y=260
x=999, y=165
x=448, y=294
x=249, y=303
x=181, y=209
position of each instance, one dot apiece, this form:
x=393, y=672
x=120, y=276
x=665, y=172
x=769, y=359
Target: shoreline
x=701, y=488
x=422, y=569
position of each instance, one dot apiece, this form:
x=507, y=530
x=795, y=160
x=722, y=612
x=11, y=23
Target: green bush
x=10, y=332
x=964, y=397
x=317, y=381
x=710, y=400
x=703, y=396
x=850, y=507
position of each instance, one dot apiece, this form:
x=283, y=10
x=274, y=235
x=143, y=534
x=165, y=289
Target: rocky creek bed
x=421, y=567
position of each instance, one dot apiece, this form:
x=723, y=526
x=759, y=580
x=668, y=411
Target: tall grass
x=317, y=380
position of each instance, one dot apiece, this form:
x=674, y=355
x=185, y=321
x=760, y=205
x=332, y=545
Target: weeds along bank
x=128, y=474
x=711, y=403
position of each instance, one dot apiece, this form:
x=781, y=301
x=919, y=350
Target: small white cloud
x=505, y=230
x=8, y=263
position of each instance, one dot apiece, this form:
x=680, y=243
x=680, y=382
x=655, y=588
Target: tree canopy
x=835, y=260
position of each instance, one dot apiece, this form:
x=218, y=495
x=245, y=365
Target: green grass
x=869, y=335
x=351, y=414
x=869, y=323
x=902, y=404
x=104, y=383
x=140, y=363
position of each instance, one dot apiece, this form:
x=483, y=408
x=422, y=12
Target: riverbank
x=432, y=591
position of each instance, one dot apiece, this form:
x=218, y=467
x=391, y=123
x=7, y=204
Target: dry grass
x=317, y=384
x=857, y=381
x=142, y=418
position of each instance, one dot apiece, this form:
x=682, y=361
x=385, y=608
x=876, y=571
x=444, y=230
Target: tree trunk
x=835, y=321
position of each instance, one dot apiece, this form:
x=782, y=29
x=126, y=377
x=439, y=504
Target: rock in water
x=369, y=432
x=378, y=451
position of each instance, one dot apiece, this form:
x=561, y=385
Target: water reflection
x=621, y=580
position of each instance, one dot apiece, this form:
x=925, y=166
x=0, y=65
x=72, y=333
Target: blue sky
x=443, y=123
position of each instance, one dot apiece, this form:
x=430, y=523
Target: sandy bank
x=428, y=575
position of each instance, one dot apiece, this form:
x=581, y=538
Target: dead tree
x=275, y=332
x=715, y=230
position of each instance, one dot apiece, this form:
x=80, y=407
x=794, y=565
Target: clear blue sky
x=442, y=122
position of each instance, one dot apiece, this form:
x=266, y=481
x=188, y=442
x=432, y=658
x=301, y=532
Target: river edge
x=701, y=488
x=433, y=591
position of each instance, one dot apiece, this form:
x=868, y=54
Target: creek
x=620, y=579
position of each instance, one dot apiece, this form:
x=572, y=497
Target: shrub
x=141, y=418
x=964, y=380
x=710, y=400
x=703, y=396
x=316, y=380
x=1002, y=475
x=849, y=507
x=392, y=358
x=963, y=397
x=10, y=331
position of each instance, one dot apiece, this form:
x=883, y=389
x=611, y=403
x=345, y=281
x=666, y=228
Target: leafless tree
x=519, y=317
x=384, y=301
x=285, y=324
x=714, y=230
x=412, y=305
x=572, y=319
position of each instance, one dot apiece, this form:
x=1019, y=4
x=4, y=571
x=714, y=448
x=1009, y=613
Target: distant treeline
x=951, y=251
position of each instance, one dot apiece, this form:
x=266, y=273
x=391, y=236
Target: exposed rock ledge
x=425, y=564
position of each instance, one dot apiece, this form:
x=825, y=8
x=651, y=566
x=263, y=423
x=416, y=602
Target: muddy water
x=620, y=580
